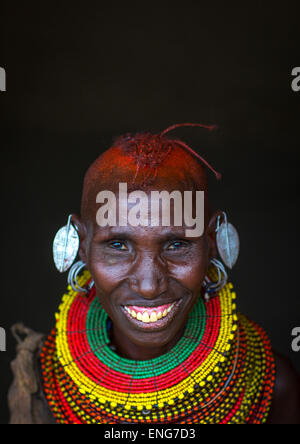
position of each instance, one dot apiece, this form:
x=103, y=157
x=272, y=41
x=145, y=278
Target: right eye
x=176, y=245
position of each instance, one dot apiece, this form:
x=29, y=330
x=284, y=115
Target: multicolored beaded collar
x=221, y=371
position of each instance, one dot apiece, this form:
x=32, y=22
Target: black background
x=78, y=75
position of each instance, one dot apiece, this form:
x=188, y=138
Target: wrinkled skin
x=148, y=267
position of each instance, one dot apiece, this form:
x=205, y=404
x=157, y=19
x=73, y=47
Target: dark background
x=79, y=75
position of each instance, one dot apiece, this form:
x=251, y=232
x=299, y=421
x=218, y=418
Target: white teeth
x=146, y=318
x=154, y=317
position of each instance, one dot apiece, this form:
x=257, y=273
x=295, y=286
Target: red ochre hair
x=143, y=159
x=149, y=151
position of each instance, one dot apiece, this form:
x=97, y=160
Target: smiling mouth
x=152, y=317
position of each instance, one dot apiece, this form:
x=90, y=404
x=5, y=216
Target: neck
x=127, y=349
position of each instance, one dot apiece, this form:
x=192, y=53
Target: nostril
x=148, y=281
x=146, y=288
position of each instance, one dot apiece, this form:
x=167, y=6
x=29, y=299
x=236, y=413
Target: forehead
x=155, y=212
x=138, y=233
x=129, y=196
x=139, y=215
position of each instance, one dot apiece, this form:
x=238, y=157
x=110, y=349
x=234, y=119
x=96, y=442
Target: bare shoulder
x=286, y=399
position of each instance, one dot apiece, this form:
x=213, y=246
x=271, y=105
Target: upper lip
x=157, y=304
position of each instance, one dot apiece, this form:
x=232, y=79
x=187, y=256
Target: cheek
x=107, y=271
x=191, y=277
x=192, y=273
x=106, y=277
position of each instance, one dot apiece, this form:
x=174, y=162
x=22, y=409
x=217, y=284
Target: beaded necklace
x=221, y=371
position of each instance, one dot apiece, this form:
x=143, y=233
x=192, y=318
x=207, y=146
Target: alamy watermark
x=2, y=80
x=296, y=340
x=296, y=79
x=2, y=340
x=154, y=209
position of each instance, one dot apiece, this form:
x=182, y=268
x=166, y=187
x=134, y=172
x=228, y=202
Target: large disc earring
x=213, y=288
x=228, y=242
x=66, y=246
x=73, y=275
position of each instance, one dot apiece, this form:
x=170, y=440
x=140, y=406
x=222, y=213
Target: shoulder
x=285, y=407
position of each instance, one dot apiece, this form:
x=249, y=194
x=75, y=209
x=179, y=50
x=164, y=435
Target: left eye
x=118, y=246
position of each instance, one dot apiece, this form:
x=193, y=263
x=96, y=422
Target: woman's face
x=148, y=278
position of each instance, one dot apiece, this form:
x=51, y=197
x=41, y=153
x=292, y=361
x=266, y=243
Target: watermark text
x=2, y=80
x=2, y=340
x=296, y=340
x=296, y=79
x=157, y=208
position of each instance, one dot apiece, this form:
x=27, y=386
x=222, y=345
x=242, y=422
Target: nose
x=149, y=277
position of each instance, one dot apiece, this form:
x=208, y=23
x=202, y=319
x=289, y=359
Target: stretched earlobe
x=211, y=235
x=73, y=278
x=82, y=232
x=213, y=288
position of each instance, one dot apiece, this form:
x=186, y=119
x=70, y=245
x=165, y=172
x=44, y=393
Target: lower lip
x=154, y=326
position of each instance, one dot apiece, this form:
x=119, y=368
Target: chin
x=153, y=340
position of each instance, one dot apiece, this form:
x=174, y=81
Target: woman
x=149, y=332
